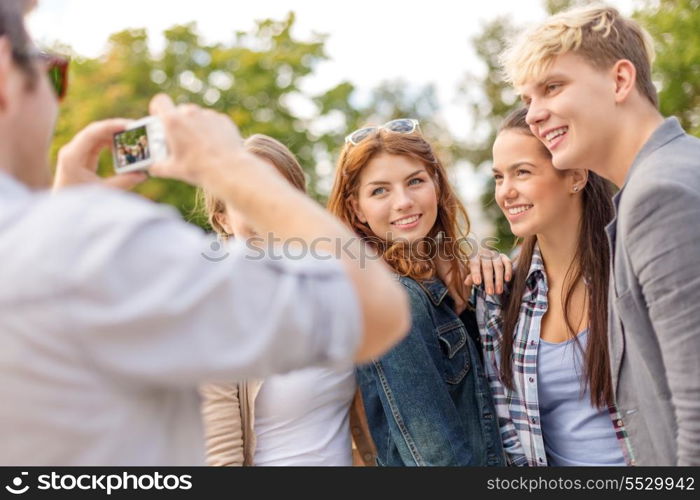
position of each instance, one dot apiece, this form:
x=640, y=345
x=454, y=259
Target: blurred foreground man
x=109, y=315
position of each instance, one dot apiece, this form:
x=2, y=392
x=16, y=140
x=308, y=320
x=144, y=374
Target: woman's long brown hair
x=447, y=238
x=591, y=263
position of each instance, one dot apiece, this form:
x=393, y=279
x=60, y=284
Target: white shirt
x=302, y=418
x=110, y=316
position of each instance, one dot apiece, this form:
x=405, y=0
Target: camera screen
x=132, y=146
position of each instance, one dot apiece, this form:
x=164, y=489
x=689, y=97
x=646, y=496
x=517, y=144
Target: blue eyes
x=381, y=190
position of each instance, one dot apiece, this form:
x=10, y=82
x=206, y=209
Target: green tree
x=391, y=99
x=257, y=80
x=254, y=80
x=675, y=27
x=491, y=99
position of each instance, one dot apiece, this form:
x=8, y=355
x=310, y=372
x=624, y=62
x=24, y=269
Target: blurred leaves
x=256, y=80
x=675, y=27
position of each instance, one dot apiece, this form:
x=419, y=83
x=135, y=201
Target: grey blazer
x=655, y=299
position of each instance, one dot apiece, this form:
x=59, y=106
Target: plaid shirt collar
x=535, y=276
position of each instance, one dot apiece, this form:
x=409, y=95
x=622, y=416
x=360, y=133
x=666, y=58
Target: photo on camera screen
x=132, y=146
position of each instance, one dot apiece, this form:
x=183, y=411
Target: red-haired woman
x=427, y=401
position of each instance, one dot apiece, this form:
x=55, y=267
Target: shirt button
x=540, y=460
x=620, y=423
x=534, y=420
x=532, y=379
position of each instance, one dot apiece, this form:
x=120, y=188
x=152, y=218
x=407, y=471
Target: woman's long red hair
x=447, y=238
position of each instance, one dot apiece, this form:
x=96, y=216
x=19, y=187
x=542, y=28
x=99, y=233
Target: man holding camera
x=109, y=315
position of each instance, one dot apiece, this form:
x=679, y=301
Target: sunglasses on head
x=400, y=126
x=56, y=70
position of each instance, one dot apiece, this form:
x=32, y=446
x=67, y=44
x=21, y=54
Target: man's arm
x=146, y=306
x=206, y=150
x=662, y=245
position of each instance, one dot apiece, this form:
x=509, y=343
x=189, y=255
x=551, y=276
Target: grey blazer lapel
x=616, y=335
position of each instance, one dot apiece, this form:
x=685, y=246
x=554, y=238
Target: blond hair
x=268, y=149
x=597, y=33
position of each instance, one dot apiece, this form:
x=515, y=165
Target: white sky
x=369, y=41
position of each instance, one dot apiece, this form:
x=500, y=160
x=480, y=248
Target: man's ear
x=222, y=220
x=6, y=64
x=356, y=208
x=625, y=75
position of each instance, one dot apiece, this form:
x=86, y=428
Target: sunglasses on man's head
x=400, y=126
x=56, y=70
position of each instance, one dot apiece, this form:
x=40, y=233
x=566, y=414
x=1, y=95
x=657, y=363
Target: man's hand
x=77, y=160
x=196, y=137
x=205, y=149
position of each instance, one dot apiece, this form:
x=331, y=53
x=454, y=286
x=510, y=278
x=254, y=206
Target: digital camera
x=139, y=146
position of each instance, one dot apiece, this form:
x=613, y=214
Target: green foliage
x=675, y=27
x=256, y=80
x=250, y=80
x=554, y=6
x=131, y=137
x=491, y=99
x=389, y=100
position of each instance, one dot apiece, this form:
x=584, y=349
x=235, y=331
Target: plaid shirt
x=518, y=410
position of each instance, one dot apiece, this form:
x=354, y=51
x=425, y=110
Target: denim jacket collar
x=436, y=290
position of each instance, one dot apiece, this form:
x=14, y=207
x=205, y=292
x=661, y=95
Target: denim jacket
x=427, y=400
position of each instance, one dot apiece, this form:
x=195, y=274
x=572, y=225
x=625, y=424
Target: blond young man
x=585, y=75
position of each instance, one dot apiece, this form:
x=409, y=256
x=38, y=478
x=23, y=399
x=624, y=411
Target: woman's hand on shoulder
x=490, y=268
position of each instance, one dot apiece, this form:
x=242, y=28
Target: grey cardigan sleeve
x=223, y=428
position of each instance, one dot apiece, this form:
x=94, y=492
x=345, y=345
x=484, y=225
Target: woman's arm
x=488, y=268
